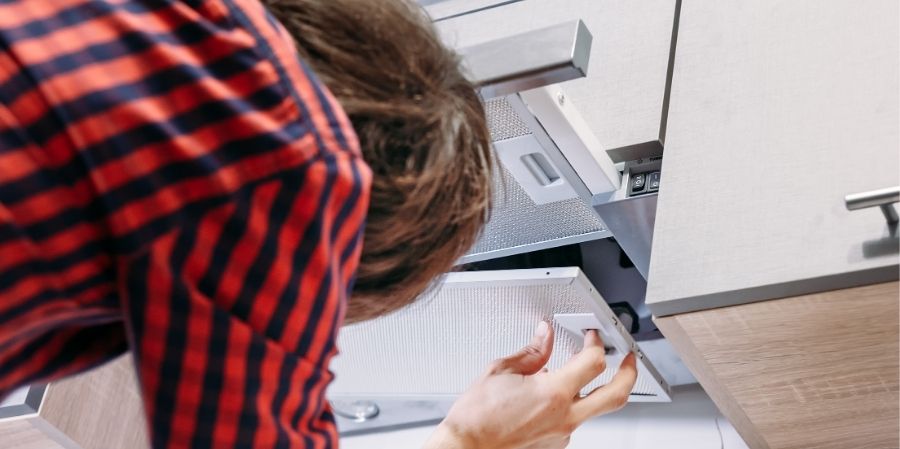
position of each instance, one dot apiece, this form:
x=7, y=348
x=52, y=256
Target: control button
x=638, y=182
x=653, y=184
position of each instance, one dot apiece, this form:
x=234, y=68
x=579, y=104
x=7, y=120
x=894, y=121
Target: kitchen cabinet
x=778, y=110
x=779, y=299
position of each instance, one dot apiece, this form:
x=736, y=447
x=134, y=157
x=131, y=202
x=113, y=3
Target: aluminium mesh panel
x=503, y=122
x=444, y=341
x=517, y=224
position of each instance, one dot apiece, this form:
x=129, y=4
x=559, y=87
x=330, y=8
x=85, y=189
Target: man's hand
x=517, y=404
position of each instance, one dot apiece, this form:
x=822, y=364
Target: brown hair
x=422, y=130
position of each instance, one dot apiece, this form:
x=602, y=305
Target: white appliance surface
x=690, y=421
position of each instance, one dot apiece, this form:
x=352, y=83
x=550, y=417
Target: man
x=176, y=182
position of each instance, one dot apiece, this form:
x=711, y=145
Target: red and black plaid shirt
x=175, y=182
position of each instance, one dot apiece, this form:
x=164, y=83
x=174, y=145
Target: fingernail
x=542, y=330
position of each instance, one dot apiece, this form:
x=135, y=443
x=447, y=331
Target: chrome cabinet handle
x=883, y=198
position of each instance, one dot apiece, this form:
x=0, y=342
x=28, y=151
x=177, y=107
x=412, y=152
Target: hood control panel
x=643, y=176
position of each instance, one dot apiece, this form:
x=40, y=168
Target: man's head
x=422, y=130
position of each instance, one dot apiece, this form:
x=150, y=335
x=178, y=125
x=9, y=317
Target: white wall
x=688, y=422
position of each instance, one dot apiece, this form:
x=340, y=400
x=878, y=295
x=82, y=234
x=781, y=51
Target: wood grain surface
x=21, y=433
x=813, y=371
x=99, y=409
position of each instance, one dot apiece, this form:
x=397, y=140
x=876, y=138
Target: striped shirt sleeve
x=234, y=314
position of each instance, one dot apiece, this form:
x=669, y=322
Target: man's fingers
x=609, y=397
x=531, y=358
x=583, y=367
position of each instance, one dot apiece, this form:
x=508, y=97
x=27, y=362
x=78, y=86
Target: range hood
x=624, y=101
x=405, y=369
x=551, y=166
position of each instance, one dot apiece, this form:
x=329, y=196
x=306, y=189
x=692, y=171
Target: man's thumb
x=531, y=358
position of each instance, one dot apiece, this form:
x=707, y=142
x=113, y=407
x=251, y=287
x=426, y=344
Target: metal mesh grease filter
x=503, y=122
x=517, y=222
x=444, y=341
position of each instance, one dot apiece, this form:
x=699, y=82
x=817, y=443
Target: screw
x=561, y=99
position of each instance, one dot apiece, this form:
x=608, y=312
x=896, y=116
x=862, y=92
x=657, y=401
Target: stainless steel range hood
x=551, y=169
x=551, y=165
x=624, y=100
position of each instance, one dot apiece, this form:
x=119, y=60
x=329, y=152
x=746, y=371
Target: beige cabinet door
x=778, y=110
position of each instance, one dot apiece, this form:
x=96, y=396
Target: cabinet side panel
x=818, y=370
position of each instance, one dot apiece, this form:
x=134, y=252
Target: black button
x=653, y=184
x=638, y=182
